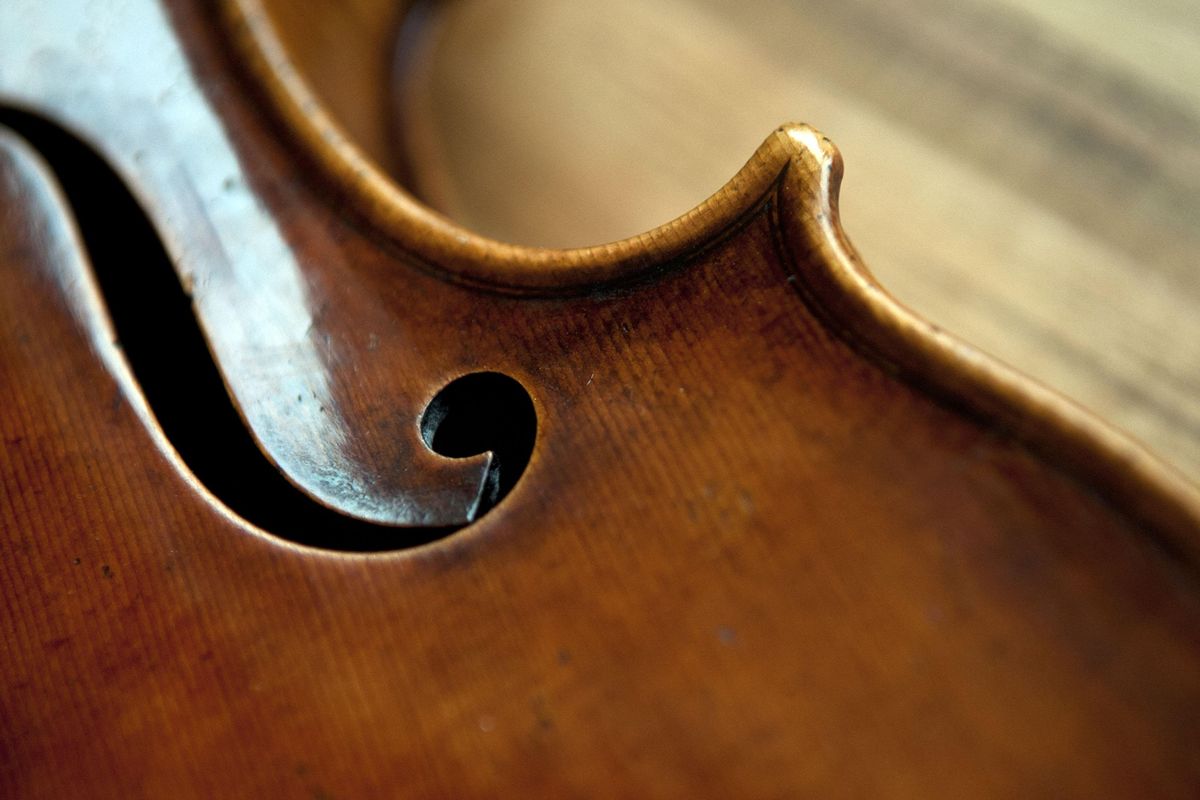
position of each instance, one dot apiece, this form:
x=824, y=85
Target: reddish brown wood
x=777, y=536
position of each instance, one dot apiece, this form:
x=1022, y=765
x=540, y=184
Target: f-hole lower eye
x=484, y=412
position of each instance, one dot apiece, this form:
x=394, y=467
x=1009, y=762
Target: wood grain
x=1025, y=174
x=878, y=586
x=777, y=535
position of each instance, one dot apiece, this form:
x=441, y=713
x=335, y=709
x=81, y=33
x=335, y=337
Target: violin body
x=771, y=534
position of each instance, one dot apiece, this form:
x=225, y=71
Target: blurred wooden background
x=1025, y=173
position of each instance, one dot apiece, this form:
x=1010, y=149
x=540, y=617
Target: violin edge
x=803, y=169
x=844, y=294
x=458, y=254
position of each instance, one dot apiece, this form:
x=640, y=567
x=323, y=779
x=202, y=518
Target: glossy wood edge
x=449, y=249
x=806, y=169
x=839, y=289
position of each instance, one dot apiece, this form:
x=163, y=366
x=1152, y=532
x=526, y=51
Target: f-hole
x=484, y=412
x=162, y=341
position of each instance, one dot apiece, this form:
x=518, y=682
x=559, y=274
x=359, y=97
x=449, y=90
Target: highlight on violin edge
x=160, y=339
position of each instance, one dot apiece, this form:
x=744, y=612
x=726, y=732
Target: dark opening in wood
x=484, y=412
x=163, y=343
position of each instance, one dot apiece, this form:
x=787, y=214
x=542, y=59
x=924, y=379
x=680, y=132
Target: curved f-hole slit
x=484, y=412
x=161, y=339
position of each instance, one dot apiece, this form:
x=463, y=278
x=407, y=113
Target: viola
x=307, y=490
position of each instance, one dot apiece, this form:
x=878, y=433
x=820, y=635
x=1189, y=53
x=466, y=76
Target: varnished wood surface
x=1025, y=173
x=1017, y=630
x=776, y=536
